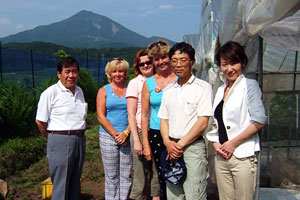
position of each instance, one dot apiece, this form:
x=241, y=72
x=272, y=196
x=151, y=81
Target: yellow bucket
x=47, y=189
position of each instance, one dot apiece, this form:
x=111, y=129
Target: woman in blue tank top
x=152, y=92
x=114, y=131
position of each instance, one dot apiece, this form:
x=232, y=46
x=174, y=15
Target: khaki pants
x=145, y=177
x=194, y=186
x=236, y=178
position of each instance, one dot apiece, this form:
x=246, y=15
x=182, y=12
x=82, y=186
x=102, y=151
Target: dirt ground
x=90, y=189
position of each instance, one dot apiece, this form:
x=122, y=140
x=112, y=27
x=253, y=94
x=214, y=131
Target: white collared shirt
x=61, y=109
x=182, y=105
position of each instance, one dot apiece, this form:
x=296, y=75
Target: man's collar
x=63, y=88
x=190, y=81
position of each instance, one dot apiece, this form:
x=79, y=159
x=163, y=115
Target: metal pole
x=260, y=82
x=32, y=72
x=294, y=93
x=87, y=59
x=1, y=80
x=99, y=70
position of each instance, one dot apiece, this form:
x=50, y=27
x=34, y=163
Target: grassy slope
x=26, y=185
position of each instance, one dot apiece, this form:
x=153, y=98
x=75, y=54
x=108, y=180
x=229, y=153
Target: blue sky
x=166, y=18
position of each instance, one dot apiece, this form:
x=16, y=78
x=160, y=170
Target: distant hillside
x=85, y=29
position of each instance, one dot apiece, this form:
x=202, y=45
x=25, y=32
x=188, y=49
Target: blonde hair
x=116, y=63
x=158, y=48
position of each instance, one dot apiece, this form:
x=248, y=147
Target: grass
x=27, y=184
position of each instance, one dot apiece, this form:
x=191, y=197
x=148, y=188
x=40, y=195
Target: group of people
x=164, y=109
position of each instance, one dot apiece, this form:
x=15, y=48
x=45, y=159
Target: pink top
x=134, y=89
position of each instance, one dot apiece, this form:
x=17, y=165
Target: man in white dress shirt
x=185, y=110
x=60, y=118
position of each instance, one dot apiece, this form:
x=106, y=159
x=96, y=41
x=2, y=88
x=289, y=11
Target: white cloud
x=166, y=7
x=4, y=21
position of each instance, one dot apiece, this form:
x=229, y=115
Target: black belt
x=176, y=140
x=75, y=132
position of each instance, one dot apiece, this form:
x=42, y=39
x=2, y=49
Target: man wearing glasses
x=185, y=110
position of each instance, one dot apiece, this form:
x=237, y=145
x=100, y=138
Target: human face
x=69, y=77
x=231, y=71
x=161, y=63
x=182, y=64
x=118, y=75
x=145, y=66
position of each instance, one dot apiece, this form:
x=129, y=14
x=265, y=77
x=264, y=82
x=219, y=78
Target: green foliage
x=18, y=154
x=61, y=54
x=89, y=86
x=128, y=53
x=17, y=111
x=48, y=82
x=282, y=115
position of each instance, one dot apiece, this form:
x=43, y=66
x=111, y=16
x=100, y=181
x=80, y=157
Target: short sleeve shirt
x=134, y=89
x=182, y=105
x=61, y=109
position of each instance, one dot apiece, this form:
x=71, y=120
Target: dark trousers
x=157, y=147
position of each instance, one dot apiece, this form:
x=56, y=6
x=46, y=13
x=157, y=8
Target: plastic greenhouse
x=270, y=32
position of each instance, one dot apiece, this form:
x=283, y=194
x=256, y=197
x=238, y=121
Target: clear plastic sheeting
x=284, y=33
x=277, y=22
x=192, y=39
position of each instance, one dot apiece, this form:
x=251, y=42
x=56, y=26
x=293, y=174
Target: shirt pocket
x=80, y=111
x=189, y=107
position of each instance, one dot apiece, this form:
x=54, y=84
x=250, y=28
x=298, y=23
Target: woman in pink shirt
x=145, y=173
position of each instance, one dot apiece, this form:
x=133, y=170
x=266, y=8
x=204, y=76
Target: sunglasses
x=118, y=59
x=145, y=63
x=159, y=43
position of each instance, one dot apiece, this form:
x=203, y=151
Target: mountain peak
x=84, y=29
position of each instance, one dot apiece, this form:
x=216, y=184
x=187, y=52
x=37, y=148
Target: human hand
x=121, y=138
x=174, y=150
x=228, y=148
x=217, y=147
x=147, y=152
x=138, y=148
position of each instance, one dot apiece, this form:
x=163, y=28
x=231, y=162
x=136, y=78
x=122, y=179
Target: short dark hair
x=232, y=52
x=183, y=47
x=67, y=62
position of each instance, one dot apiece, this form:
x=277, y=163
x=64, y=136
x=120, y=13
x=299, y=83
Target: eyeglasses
x=159, y=43
x=145, y=63
x=118, y=59
x=182, y=61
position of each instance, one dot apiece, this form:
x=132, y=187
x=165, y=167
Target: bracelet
x=126, y=132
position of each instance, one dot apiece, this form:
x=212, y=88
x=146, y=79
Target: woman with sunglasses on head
x=114, y=131
x=238, y=115
x=145, y=178
x=151, y=99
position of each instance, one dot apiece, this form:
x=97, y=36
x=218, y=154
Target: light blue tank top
x=116, y=110
x=155, y=101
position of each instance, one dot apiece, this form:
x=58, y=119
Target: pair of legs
x=117, y=165
x=65, y=155
x=195, y=183
x=145, y=177
x=236, y=177
x=157, y=147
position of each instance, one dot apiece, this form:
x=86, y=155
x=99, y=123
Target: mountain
x=84, y=29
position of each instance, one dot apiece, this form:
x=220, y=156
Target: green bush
x=89, y=86
x=18, y=154
x=17, y=111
